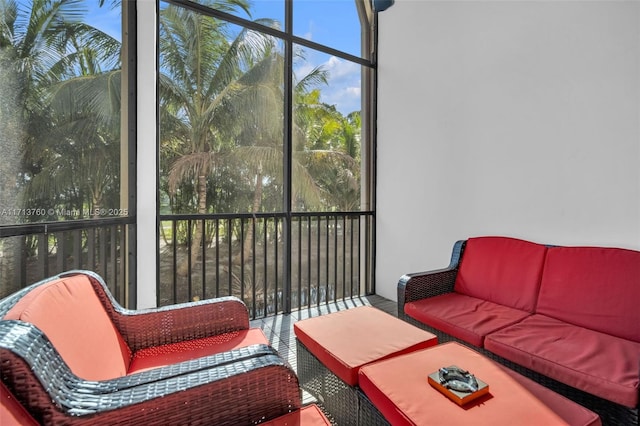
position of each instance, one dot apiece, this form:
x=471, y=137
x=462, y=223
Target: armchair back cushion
x=68, y=311
x=502, y=270
x=593, y=287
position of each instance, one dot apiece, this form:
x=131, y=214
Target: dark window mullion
x=287, y=34
x=288, y=155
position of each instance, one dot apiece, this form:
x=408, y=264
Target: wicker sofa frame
x=421, y=285
x=228, y=388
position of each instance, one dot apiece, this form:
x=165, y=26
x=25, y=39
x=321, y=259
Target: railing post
x=287, y=222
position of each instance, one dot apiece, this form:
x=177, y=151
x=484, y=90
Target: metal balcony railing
x=34, y=251
x=275, y=265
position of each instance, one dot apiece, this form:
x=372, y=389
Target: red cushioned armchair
x=69, y=354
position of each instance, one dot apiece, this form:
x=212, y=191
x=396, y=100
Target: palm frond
x=98, y=94
x=9, y=14
x=190, y=166
x=248, y=48
x=317, y=76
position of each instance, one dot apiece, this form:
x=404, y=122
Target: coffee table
x=396, y=391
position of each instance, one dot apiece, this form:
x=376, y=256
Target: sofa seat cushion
x=464, y=317
x=597, y=363
x=593, y=287
x=163, y=355
x=502, y=270
x=68, y=311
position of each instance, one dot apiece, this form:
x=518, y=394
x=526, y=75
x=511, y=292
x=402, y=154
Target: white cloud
x=343, y=88
x=344, y=85
x=303, y=69
x=346, y=99
x=339, y=68
x=354, y=91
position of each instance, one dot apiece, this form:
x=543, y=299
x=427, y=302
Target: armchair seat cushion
x=465, y=317
x=11, y=412
x=573, y=355
x=159, y=356
x=310, y=415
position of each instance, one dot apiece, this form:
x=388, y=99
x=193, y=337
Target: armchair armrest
x=243, y=386
x=171, y=324
x=421, y=285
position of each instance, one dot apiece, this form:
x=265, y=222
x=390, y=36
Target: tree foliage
x=68, y=80
x=221, y=109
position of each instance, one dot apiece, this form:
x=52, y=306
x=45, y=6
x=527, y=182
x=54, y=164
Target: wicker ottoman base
x=337, y=397
x=348, y=405
x=368, y=414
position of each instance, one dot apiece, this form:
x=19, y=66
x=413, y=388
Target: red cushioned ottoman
x=332, y=349
x=398, y=389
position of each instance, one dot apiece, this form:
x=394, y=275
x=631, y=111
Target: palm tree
x=37, y=41
x=29, y=49
x=335, y=160
x=202, y=77
x=11, y=130
x=69, y=105
x=326, y=145
x=222, y=108
x=83, y=144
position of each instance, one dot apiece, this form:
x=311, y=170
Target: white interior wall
x=518, y=118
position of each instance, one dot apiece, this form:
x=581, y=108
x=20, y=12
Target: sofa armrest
x=420, y=285
x=174, y=323
x=243, y=386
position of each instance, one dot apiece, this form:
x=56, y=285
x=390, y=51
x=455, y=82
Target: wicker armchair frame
x=239, y=387
x=421, y=285
x=223, y=389
x=157, y=326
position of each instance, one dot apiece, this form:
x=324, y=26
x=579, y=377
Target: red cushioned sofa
x=568, y=317
x=69, y=354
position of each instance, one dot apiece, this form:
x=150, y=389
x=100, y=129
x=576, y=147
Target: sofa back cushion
x=593, y=287
x=502, y=270
x=68, y=311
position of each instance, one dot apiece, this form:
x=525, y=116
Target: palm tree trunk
x=196, y=241
x=11, y=144
x=97, y=206
x=247, y=244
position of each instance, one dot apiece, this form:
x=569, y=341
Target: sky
x=330, y=22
